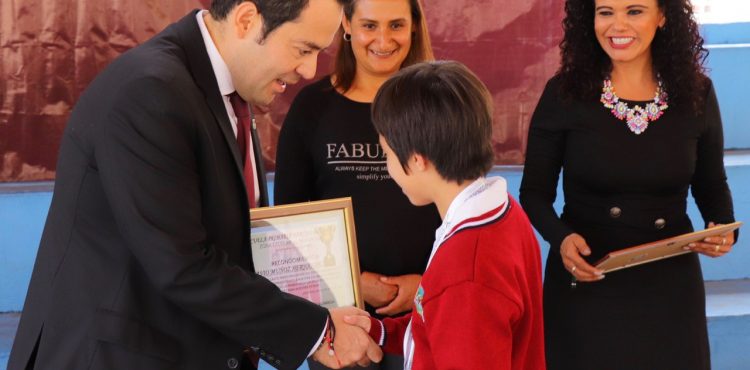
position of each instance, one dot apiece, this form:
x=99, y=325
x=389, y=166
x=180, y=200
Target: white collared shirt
x=226, y=87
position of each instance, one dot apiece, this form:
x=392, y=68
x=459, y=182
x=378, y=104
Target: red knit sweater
x=482, y=303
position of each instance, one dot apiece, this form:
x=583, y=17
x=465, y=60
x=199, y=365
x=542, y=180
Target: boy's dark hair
x=440, y=110
x=274, y=12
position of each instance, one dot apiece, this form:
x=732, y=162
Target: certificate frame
x=660, y=249
x=302, y=233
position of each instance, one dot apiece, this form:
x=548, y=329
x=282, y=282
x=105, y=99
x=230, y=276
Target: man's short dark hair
x=274, y=12
x=440, y=110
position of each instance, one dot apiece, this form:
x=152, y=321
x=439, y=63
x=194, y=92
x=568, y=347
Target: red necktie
x=242, y=111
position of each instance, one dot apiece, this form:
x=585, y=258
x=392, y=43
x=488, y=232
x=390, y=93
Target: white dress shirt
x=226, y=87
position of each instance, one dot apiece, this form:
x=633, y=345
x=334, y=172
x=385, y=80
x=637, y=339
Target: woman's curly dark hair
x=677, y=51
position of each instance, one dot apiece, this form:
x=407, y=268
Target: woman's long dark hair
x=677, y=51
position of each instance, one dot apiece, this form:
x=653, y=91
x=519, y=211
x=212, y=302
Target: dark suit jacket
x=144, y=261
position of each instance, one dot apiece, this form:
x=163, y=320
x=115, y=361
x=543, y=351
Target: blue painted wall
x=730, y=72
x=722, y=34
x=22, y=217
x=729, y=67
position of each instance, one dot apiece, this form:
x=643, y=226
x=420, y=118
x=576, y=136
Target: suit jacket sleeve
x=151, y=178
x=544, y=158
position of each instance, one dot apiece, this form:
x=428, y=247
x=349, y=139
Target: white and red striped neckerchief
x=483, y=201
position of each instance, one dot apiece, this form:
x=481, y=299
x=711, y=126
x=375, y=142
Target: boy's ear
x=418, y=163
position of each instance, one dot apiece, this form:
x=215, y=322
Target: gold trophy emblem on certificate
x=325, y=233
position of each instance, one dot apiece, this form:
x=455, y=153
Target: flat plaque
x=658, y=250
x=309, y=250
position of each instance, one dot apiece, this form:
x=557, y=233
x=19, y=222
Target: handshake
x=348, y=342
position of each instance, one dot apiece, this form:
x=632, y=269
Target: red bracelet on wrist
x=330, y=335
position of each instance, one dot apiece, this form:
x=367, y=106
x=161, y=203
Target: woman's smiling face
x=626, y=28
x=381, y=33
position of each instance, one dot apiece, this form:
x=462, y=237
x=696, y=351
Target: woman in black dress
x=633, y=122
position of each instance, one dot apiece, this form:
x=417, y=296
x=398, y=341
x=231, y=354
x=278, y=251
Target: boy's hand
x=407, y=287
x=375, y=292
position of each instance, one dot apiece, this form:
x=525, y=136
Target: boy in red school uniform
x=479, y=304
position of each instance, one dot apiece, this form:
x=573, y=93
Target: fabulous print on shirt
x=365, y=161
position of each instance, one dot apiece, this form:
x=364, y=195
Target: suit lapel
x=199, y=64
x=200, y=67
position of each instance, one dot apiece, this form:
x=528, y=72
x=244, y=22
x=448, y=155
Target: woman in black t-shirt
x=328, y=148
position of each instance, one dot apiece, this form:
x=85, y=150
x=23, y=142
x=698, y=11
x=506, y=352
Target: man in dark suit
x=144, y=261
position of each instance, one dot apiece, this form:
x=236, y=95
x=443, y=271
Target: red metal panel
x=49, y=52
x=51, y=49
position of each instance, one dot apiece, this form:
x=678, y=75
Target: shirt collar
x=221, y=71
x=481, y=196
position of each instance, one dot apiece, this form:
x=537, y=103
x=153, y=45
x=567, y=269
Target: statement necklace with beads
x=636, y=117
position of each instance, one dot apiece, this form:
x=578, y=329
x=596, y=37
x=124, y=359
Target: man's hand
x=375, y=292
x=407, y=287
x=351, y=344
x=365, y=323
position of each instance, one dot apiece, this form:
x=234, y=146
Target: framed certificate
x=309, y=250
x=659, y=249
